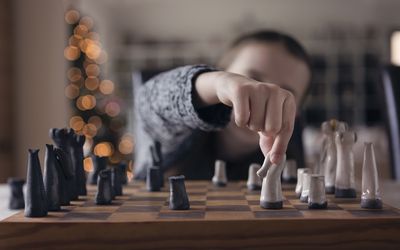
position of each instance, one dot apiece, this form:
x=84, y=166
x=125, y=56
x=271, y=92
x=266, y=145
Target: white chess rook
x=370, y=195
x=253, y=181
x=271, y=191
x=290, y=172
x=306, y=187
x=316, y=195
x=299, y=185
x=345, y=183
x=219, y=179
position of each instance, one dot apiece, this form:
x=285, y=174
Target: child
x=200, y=114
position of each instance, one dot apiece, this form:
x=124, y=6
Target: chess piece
x=64, y=174
x=316, y=195
x=104, y=194
x=305, y=188
x=17, y=194
x=299, y=185
x=289, y=172
x=156, y=156
x=345, y=184
x=153, y=182
x=271, y=190
x=329, y=155
x=35, y=199
x=122, y=168
x=178, y=198
x=63, y=139
x=51, y=179
x=219, y=179
x=77, y=160
x=370, y=194
x=99, y=164
x=116, y=181
x=253, y=181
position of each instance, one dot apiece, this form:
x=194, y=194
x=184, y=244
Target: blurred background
x=74, y=63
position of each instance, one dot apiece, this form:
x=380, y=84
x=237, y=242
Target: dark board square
x=92, y=203
x=305, y=207
x=223, y=208
x=182, y=215
x=291, y=197
x=86, y=216
x=195, y=186
x=192, y=203
x=196, y=193
x=277, y=213
x=374, y=213
x=218, y=198
x=128, y=209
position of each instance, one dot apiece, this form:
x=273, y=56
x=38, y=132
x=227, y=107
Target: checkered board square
x=207, y=202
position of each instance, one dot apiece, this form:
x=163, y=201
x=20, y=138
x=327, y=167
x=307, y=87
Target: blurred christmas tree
x=97, y=110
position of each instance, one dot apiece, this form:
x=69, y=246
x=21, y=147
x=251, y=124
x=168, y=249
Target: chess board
x=219, y=217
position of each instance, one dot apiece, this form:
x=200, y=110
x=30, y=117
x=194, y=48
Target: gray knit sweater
x=164, y=112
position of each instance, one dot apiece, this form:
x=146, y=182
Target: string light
x=126, y=144
x=96, y=121
x=92, y=70
x=71, y=91
x=72, y=53
x=76, y=123
x=103, y=149
x=92, y=83
x=88, y=164
x=72, y=16
x=112, y=109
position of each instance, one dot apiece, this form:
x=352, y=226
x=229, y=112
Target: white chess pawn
x=271, y=190
x=299, y=185
x=253, y=181
x=370, y=196
x=306, y=187
x=289, y=172
x=316, y=195
x=345, y=183
x=219, y=179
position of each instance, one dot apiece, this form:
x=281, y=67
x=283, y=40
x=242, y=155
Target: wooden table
x=219, y=218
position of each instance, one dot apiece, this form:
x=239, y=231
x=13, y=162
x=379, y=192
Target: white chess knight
x=253, y=181
x=345, y=183
x=329, y=153
x=219, y=179
x=271, y=190
x=370, y=196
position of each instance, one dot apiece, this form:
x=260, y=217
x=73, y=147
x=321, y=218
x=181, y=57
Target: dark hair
x=270, y=36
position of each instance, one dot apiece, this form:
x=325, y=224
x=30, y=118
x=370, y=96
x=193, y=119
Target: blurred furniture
x=391, y=91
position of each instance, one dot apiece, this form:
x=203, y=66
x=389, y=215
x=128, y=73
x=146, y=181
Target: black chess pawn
x=99, y=164
x=35, y=199
x=116, y=181
x=64, y=175
x=156, y=156
x=153, y=182
x=104, y=188
x=122, y=168
x=178, y=198
x=77, y=160
x=51, y=179
x=63, y=139
x=17, y=194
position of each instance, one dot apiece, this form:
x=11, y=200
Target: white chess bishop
x=345, y=183
x=271, y=190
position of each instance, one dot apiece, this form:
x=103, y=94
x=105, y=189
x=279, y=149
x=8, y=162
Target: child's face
x=272, y=63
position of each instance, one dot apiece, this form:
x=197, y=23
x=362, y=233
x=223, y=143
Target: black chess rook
x=17, y=194
x=178, y=198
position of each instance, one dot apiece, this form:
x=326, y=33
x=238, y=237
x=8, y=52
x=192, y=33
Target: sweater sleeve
x=166, y=113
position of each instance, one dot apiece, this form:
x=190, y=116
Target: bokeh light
x=106, y=87
x=92, y=50
x=96, y=121
x=71, y=91
x=113, y=109
x=88, y=164
x=81, y=31
x=87, y=22
x=92, y=70
x=72, y=53
x=74, y=74
x=102, y=58
x=89, y=130
x=104, y=149
x=126, y=144
x=92, y=83
x=76, y=123
x=72, y=16
x=86, y=102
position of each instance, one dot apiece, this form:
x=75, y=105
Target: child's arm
x=262, y=107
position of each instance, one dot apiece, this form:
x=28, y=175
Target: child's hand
x=262, y=107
